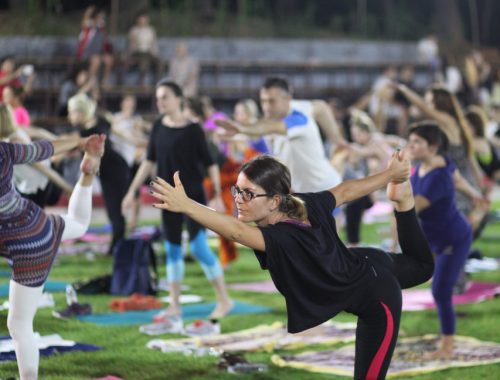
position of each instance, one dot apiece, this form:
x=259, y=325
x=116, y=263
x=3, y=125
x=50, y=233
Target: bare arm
x=53, y=176
x=445, y=121
x=260, y=128
x=142, y=173
x=40, y=133
x=421, y=203
x=465, y=187
x=324, y=117
x=175, y=199
x=398, y=170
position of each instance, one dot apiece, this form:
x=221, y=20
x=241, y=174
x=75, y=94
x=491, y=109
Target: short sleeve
x=435, y=187
x=323, y=200
x=296, y=123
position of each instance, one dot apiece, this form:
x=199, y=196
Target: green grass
x=125, y=355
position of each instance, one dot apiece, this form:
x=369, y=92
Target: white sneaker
x=203, y=328
x=170, y=325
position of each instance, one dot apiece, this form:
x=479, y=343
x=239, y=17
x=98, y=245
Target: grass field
x=125, y=355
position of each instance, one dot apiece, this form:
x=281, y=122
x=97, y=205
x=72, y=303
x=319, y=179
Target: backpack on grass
x=134, y=268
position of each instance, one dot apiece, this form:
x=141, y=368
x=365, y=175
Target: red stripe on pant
x=378, y=360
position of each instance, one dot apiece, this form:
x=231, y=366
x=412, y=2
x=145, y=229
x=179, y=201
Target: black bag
x=134, y=268
x=97, y=285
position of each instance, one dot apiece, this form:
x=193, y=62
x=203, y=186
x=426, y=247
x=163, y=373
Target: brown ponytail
x=293, y=207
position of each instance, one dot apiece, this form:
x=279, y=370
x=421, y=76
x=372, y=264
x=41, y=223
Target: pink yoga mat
x=413, y=299
x=421, y=299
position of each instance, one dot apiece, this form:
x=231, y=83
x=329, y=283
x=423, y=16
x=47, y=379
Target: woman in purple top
x=29, y=238
x=446, y=228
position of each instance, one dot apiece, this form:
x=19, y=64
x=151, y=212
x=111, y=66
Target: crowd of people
x=331, y=159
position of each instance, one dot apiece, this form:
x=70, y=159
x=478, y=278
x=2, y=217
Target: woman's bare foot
x=401, y=194
x=94, y=150
x=445, y=350
x=222, y=309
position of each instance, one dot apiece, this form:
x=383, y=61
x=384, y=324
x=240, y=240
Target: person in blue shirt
x=446, y=228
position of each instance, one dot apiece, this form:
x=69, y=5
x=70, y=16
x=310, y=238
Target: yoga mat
x=407, y=360
x=105, y=229
x=421, y=299
x=195, y=311
x=262, y=338
x=47, y=345
x=50, y=286
x=258, y=287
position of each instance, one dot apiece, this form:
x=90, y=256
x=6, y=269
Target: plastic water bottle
x=71, y=296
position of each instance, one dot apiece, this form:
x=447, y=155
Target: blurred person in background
x=94, y=44
x=114, y=171
x=184, y=70
x=142, y=46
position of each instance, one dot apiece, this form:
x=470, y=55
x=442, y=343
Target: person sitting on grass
x=296, y=239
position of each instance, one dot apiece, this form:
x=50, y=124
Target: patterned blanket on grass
x=262, y=338
x=407, y=359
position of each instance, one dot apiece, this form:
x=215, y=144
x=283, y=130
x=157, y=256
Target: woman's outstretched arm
x=174, y=199
x=397, y=171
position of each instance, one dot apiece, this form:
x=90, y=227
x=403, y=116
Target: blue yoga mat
x=104, y=229
x=51, y=350
x=50, y=286
x=198, y=311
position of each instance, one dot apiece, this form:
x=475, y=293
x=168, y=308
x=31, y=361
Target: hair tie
x=288, y=197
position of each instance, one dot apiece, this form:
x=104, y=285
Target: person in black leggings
x=296, y=240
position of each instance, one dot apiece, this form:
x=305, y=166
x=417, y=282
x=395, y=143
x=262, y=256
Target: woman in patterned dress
x=29, y=238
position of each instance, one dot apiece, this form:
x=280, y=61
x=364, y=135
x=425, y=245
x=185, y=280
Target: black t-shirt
x=112, y=163
x=184, y=149
x=311, y=267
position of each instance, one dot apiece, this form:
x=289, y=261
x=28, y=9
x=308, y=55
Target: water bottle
x=71, y=297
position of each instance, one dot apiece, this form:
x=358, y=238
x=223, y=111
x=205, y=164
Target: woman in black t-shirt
x=296, y=240
x=177, y=144
x=114, y=173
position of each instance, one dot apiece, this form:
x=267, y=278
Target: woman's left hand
x=172, y=198
x=399, y=166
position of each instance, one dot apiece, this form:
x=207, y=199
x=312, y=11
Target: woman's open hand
x=172, y=198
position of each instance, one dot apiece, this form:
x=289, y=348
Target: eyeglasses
x=246, y=195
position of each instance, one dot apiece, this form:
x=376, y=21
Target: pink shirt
x=21, y=116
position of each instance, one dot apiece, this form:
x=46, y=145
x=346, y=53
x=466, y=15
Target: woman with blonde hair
x=114, y=172
x=29, y=238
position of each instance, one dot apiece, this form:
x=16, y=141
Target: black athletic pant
x=353, y=214
x=379, y=311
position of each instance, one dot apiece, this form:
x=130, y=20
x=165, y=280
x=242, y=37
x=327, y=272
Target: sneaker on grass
x=203, y=328
x=73, y=310
x=169, y=325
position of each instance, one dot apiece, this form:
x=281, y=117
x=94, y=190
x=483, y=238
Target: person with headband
x=296, y=239
x=29, y=238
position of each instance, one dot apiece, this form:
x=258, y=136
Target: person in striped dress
x=29, y=238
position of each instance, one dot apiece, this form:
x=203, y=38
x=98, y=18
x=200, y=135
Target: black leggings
x=353, y=214
x=379, y=310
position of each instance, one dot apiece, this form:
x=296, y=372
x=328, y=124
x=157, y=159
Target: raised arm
x=327, y=123
x=260, y=128
x=445, y=121
x=174, y=198
x=397, y=171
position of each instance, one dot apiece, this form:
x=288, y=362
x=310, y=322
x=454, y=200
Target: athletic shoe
x=170, y=325
x=203, y=328
x=73, y=310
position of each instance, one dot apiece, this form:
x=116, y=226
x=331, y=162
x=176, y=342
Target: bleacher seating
x=225, y=82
